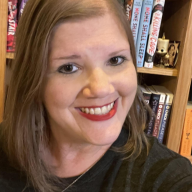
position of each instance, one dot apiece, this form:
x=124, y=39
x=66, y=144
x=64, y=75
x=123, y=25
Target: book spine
x=143, y=31
x=147, y=98
x=12, y=25
x=164, y=121
x=186, y=140
x=155, y=25
x=135, y=19
x=21, y=8
x=154, y=102
x=129, y=8
x=159, y=115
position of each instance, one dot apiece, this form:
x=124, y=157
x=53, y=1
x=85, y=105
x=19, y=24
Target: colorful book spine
x=154, y=103
x=143, y=31
x=12, y=25
x=186, y=141
x=159, y=110
x=155, y=25
x=166, y=114
x=21, y=8
x=129, y=8
x=135, y=19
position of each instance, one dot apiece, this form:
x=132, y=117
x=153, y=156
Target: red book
x=12, y=25
x=159, y=110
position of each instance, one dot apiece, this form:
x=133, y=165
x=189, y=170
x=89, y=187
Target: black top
x=162, y=170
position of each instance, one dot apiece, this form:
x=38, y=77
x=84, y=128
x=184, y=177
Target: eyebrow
x=78, y=56
x=68, y=57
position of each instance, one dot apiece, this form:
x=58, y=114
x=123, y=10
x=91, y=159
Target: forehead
x=94, y=32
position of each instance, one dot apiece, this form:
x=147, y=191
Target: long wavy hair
x=25, y=127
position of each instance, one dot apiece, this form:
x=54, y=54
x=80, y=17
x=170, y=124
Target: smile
x=99, y=113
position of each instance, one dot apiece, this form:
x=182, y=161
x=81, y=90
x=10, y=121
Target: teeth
x=98, y=111
x=92, y=111
x=87, y=110
x=104, y=110
x=109, y=107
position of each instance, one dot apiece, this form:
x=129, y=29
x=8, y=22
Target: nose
x=99, y=84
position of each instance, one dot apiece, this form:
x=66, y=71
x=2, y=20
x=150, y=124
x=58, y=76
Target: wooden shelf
x=158, y=71
x=10, y=55
x=190, y=158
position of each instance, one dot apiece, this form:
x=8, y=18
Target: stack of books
x=145, y=17
x=160, y=100
x=14, y=13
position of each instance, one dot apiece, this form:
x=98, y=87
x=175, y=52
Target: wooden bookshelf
x=3, y=44
x=159, y=71
x=10, y=55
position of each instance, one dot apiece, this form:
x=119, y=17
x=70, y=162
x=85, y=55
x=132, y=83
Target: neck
x=69, y=159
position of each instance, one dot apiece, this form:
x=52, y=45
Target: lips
x=99, y=113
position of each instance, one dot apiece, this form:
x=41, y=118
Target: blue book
x=166, y=114
x=135, y=19
x=143, y=31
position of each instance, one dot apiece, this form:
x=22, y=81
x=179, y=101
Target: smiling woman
x=88, y=71
x=74, y=118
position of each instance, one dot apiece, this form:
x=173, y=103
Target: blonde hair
x=24, y=129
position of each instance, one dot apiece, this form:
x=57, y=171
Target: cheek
x=127, y=83
x=58, y=94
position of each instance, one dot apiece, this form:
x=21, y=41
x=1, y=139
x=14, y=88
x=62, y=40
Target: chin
x=103, y=136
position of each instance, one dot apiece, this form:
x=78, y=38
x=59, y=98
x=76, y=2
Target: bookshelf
x=177, y=25
x=159, y=71
x=3, y=42
x=10, y=55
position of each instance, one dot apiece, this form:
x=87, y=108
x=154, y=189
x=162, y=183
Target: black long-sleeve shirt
x=162, y=170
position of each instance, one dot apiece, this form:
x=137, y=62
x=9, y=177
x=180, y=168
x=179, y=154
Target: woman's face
x=90, y=69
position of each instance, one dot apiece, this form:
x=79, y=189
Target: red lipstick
x=101, y=117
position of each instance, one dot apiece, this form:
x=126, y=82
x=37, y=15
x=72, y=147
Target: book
x=186, y=140
x=155, y=24
x=154, y=103
x=146, y=94
x=21, y=7
x=159, y=110
x=12, y=25
x=135, y=19
x=166, y=113
x=143, y=31
x=129, y=8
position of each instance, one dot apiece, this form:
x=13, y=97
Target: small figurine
x=173, y=52
x=161, y=56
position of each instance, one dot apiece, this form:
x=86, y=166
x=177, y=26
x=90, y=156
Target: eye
x=68, y=69
x=162, y=50
x=117, y=60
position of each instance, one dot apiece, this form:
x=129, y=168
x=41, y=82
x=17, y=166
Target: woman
x=74, y=119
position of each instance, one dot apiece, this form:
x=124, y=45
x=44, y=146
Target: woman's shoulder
x=162, y=169
x=160, y=151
